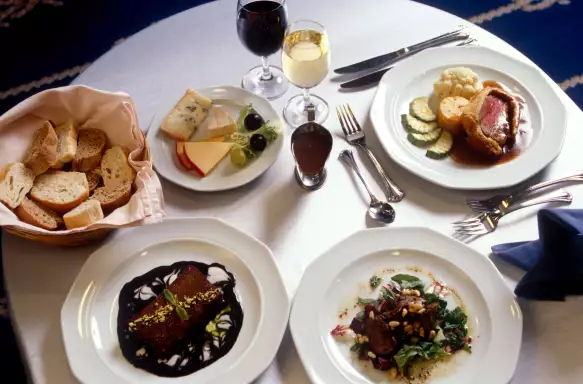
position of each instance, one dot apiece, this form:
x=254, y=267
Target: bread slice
x=67, y=147
x=43, y=151
x=115, y=169
x=15, y=183
x=187, y=115
x=93, y=178
x=85, y=214
x=60, y=191
x=35, y=214
x=90, y=146
x=111, y=199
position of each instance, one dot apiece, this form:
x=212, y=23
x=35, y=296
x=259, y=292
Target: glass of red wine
x=261, y=26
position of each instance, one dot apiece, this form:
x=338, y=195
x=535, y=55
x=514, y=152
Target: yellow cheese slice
x=220, y=123
x=204, y=156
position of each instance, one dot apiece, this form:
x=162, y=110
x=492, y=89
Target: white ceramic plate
x=415, y=78
x=89, y=314
x=226, y=175
x=334, y=280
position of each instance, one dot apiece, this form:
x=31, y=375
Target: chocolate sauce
x=311, y=149
x=200, y=349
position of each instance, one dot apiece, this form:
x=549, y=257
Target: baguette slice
x=15, y=183
x=35, y=214
x=90, y=148
x=187, y=115
x=85, y=214
x=60, y=191
x=43, y=151
x=93, y=178
x=67, y=147
x=115, y=169
x=111, y=199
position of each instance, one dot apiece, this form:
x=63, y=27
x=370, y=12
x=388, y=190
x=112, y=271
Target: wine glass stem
x=266, y=72
x=307, y=101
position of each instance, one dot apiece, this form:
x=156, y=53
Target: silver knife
x=375, y=77
x=391, y=58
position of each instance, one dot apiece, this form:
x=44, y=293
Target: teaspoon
x=378, y=210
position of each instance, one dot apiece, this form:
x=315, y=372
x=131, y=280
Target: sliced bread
x=35, y=214
x=111, y=199
x=67, y=147
x=93, y=178
x=115, y=169
x=85, y=214
x=15, y=183
x=90, y=146
x=60, y=191
x=43, y=151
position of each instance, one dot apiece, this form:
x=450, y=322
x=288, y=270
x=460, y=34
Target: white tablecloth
x=200, y=48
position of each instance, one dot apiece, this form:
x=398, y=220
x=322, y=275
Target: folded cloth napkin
x=554, y=263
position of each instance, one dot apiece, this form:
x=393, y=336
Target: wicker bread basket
x=147, y=189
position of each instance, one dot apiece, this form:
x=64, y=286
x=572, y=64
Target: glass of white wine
x=305, y=62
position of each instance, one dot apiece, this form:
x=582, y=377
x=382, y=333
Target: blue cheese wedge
x=190, y=111
x=220, y=123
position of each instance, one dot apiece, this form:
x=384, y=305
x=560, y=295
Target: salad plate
x=414, y=80
x=226, y=175
x=336, y=289
x=90, y=313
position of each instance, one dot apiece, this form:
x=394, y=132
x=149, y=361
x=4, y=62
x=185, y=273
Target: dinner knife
x=393, y=57
x=375, y=77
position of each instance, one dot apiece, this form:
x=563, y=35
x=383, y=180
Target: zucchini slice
x=441, y=148
x=423, y=139
x=414, y=125
x=419, y=108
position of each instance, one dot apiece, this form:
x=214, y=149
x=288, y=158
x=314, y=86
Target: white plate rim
x=191, y=182
x=88, y=367
x=547, y=148
x=322, y=271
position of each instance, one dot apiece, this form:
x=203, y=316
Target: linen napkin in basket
x=554, y=263
x=113, y=113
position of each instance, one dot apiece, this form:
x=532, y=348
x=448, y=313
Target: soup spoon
x=378, y=210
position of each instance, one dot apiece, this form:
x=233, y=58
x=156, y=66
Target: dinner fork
x=502, y=201
x=355, y=136
x=488, y=222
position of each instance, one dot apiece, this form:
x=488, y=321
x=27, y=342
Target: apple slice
x=181, y=155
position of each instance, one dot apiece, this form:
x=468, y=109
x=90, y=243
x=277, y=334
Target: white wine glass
x=305, y=62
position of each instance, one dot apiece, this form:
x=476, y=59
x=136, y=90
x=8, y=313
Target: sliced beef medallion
x=491, y=121
x=380, y=336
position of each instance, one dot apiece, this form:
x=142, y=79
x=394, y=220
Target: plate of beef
x=469, y=118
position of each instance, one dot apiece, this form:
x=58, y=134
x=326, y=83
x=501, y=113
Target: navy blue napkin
x=554, y=263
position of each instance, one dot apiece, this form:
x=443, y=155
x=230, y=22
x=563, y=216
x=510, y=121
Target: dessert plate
x=226, y=175
x=415, y=78
x=89, y=314
x=330, y=285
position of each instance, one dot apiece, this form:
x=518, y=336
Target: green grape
x=238, y=155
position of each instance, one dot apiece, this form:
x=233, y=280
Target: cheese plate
x=213, y=171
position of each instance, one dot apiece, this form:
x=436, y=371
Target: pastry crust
x=473, y=128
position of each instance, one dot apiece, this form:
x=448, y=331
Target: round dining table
x=199, y=48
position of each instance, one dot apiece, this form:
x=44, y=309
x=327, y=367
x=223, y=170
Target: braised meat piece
x=159, y=324
x=380, y=335
x=491, y=121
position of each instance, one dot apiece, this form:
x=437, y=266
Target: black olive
x=258, y=142
x=253, y=121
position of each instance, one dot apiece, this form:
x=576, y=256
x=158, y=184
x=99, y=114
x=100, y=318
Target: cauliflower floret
x=459, y=81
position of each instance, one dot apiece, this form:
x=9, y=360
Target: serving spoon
x=378, y=210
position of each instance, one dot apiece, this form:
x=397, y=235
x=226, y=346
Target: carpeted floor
x=46, y=43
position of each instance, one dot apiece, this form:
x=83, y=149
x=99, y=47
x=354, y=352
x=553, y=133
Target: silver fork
x=502, y=201
x=488, y=222
x=355, y=136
